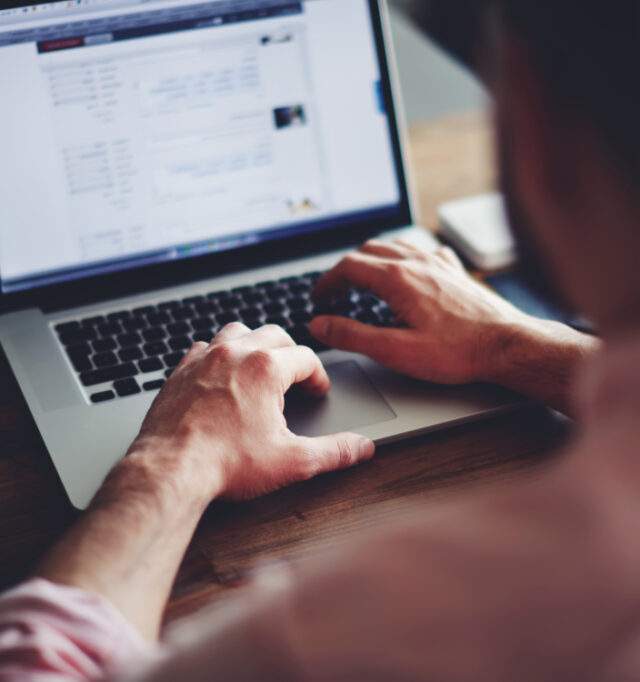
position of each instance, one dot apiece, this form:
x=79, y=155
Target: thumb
x=331, y=453
x=340, y=332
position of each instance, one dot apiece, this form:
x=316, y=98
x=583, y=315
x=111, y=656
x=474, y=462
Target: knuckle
x=223, y=352
x=351, y=260
x=334, y=331
x=276, y=330
x=233, y=327
x=262, y=363
x=345, y=454
x=305, y=350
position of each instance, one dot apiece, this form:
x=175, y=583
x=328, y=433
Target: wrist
x=164, y=475
x=539, y=358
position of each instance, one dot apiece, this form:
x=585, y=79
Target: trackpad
x=353, y=403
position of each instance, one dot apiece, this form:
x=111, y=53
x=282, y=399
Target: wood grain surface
x=451, y=158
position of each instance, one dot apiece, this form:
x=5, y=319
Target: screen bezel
x=89, y=290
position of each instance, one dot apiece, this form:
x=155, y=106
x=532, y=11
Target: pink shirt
x=540, y=583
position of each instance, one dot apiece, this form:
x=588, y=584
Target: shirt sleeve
x=51, y=633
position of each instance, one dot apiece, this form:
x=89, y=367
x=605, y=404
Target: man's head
x=568, y=118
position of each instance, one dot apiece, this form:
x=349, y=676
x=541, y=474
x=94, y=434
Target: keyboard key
x=128, y=340
x=298, y=303
x=254, y=297
x=202, y=323
x=110, y=329
x=154, y=334
x=180, y=343
x=153, y=385
x=192, y=300
x=251, y=316
x=279, y=321
x=169, y=305
x=251, y=312
x=241, y=291
x=118, y=316
x=126, y=387
x=207, y=308
x=102, y=397
x=80, y=350
x=275, y=308
x=73, y=338
x=67, y=327
x=104, y=345
x=105, y=359
x=301, y=287
x=158, y=319
x=203, y=336
x=227, y=318
x=82, y=364
x=144, y=310
x=155, y=348
x=150, y=365
x=369, y=317
x=218, y=296
x=231, y=303
x=93, y=321
x=169, y=372
x=132, y=353
x=300, y=333
x=102, y=376
x=173, y=359
x=301, y=317
x=178, y=328
x=183, y=313
x=134, y=324
x=278, y=293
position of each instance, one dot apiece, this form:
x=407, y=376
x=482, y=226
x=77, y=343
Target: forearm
x=128, y=546
x=540, y=359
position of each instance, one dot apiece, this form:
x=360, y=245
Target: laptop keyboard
x=126, y=352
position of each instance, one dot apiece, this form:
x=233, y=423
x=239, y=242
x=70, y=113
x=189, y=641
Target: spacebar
x=101, y=376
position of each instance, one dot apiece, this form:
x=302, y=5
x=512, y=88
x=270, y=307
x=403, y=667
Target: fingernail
x=367, y=448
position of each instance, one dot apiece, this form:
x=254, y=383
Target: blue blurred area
x=515, y=290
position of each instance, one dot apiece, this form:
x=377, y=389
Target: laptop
x=170, y=166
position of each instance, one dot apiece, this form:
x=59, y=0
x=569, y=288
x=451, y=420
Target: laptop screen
x=134, y=132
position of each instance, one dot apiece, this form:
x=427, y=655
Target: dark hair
x=588, y=53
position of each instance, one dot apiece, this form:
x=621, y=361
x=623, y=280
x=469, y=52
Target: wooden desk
x=452, y=159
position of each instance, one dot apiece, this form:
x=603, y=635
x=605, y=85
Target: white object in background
x=479, y=228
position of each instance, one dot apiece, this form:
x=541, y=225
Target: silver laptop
x=169, y=166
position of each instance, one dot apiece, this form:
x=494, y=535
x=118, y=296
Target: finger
x=410, y=248
x=232, y=332
x=449, y=255
x=332, y=453
x=357, y=269
x=268, y=337
x=382, y=345
x=300, y=365
x=385, y=250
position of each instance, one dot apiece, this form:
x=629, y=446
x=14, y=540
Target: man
x=539, y=584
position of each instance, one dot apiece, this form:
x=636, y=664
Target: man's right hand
x=455, y=330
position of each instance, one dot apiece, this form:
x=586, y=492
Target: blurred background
x=433, y=82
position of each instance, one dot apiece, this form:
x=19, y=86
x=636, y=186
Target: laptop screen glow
x=135, y=132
